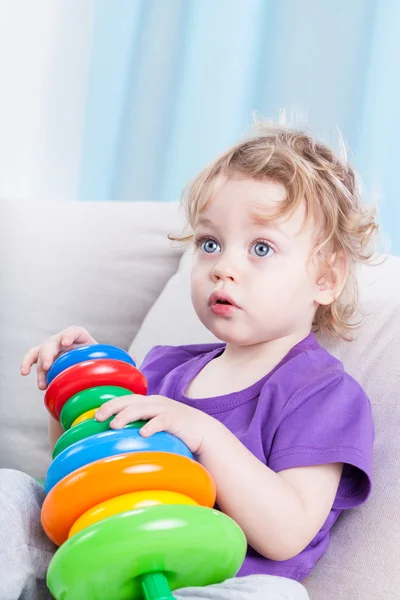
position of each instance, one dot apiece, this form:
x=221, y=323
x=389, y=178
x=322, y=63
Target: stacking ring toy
x=133, y=515
x=125, y=503
x=82, y=353
x=110, y=443
x=89, y=414
x=86, y=429
x=150, y=551
x=89, y=374
x=88, y=399
x=117, y=475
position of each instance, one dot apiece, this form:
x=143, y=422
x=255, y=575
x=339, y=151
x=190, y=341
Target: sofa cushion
x=363, y=557
x=96, y=264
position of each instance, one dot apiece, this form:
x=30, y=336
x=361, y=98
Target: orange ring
x=122, y=474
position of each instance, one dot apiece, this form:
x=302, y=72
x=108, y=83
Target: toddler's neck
x=268, y=352
x=237, y=368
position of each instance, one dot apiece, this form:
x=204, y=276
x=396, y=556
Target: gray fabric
x=254, y=587
x=25, y=552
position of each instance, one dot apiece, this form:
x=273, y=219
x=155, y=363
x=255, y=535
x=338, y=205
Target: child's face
x=262, y=268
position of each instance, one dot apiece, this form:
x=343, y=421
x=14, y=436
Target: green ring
x=85, y=430
x=87, y=400
x=190, y=545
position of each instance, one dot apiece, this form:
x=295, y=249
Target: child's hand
x=192, y=426
x=45, y=354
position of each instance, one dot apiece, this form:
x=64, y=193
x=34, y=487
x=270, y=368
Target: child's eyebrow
x=203, y=221
x=259, y=219
x=269, y=223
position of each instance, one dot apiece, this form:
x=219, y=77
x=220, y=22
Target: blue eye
x=261, y=249
x=209, y=246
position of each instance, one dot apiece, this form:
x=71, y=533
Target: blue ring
x=110, y=443
x=83, y=353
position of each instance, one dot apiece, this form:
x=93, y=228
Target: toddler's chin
x=226, y=330
x=228, y=333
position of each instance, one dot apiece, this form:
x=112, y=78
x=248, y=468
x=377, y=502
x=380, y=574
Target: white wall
x=44, y=58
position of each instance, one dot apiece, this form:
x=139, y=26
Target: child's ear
x=332, y=278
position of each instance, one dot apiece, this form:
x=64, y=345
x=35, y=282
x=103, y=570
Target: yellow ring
x=89, y=414
x=125, y=503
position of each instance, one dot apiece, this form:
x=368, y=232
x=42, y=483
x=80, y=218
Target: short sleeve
x=153, y=355
x=155, y=366
x=325, y=422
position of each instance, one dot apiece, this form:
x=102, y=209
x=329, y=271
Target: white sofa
x=111, y=268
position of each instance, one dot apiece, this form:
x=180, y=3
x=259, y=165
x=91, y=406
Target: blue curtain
x=173, y=82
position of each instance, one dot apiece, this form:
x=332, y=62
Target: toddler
x=278, y=229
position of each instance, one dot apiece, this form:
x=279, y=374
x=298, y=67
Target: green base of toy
x=156, y=587
x=147, y=551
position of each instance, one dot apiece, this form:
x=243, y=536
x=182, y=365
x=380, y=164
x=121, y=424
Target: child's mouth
x=220, y=305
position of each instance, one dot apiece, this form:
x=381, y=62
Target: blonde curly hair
x=310, y=172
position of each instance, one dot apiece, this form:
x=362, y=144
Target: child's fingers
x=49, y=350
x=75, y=335
x=45, y=354
x=60, y=342
x=41, y=379
x=70, y=335
x=159, y=423
x=29, y=359
x=114, y=406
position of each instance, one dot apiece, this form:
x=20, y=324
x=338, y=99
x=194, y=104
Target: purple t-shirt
x=306, y=411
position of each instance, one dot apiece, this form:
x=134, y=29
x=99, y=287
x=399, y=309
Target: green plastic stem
x=155, y=587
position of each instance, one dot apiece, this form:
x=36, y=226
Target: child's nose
x=224, y=271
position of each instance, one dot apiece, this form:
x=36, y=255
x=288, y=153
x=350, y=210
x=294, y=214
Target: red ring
x=89, y=374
